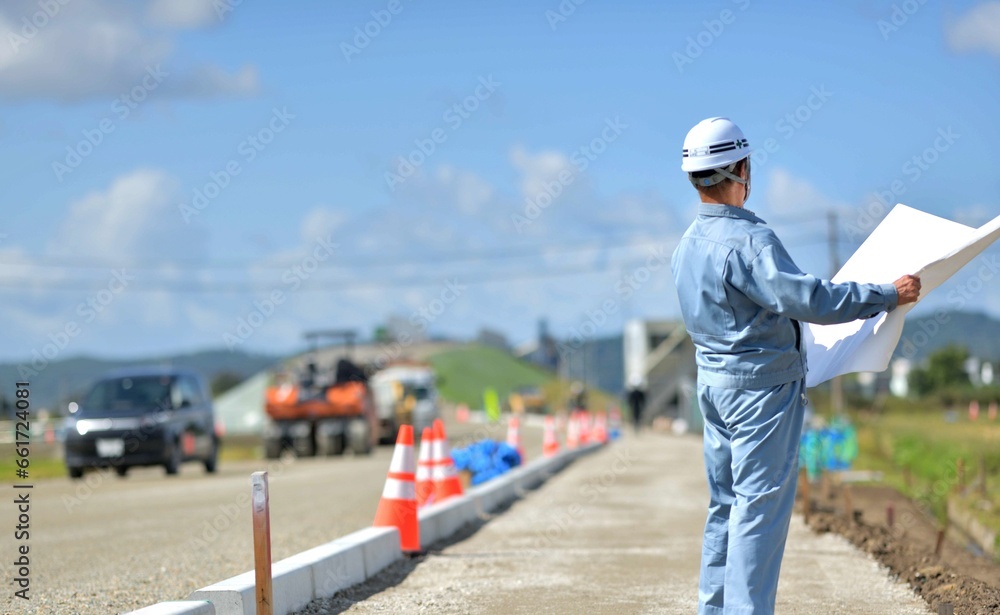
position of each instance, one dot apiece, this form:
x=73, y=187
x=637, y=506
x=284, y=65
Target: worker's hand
x=908, y=288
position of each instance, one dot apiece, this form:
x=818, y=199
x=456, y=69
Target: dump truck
x=405, y=394
x=320, y=411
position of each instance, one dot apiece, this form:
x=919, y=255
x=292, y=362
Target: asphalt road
x=111, y=545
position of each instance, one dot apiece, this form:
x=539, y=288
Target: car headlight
x=83, y=426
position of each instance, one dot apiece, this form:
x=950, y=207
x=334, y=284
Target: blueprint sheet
x=908, y=241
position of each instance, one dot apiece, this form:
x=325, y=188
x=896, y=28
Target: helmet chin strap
x=727, y=173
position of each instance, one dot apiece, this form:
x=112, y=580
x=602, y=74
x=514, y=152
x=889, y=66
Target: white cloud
x=787, y=194
x=425, y=228
x=976, y=30
x=539, y=170
x=471, y=192
x=134, y=218
x=322, y=221
x=97, y=49
x=182, y=13
x=975, y=215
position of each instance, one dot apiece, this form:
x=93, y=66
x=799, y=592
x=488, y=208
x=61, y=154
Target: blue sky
x=583, y=105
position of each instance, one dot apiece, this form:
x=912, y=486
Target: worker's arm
x=772, y=280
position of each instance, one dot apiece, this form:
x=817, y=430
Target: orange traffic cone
x=446, y=483
x=561, y=422
x=514, y=436
x=398, y=506
x=974, y=410
x=425, y=482
x=573, y=432
x=550, y=444
x=600, y=429
x=584, y=421
x=462, y=413
x=993, y=411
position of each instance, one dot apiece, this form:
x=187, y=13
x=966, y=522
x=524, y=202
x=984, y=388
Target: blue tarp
x=486, y=459
x=831, y=448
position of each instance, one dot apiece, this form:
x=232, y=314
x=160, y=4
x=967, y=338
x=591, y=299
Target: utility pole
x=837, y=384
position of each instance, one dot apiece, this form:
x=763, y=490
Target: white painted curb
x=185, y=607
x=322, y=571
x=319, y=572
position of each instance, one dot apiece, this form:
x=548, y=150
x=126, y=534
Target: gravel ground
x=957, y=578
x=617, y=532
x=113, y=545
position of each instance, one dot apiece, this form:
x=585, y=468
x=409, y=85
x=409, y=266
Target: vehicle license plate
x=110, y=448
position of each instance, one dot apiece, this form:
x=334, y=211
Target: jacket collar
x=728, y=211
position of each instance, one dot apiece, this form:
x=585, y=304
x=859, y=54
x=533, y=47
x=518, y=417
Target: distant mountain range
x=60, y=380
x=978, y=332
x=598, y=362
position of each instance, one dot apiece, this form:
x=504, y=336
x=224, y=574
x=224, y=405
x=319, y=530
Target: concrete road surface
x=110, y=545
x=617, y=532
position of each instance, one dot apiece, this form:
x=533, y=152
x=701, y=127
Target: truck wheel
x=331, y=445
x=212, y=462
x=75, y=472
x=358, y=437
x=272, y=448
x=121, y=471
x=304, y=447
x=387, y=436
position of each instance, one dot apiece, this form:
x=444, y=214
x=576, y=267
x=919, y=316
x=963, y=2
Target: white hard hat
x=713, y=143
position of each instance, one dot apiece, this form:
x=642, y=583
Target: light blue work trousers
x=751, y=458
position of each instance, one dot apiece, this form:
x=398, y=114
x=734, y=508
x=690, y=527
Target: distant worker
x=742, y=299
x=636, y=401
x=578, y=396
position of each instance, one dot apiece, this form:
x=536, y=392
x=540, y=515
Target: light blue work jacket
x=742, y=298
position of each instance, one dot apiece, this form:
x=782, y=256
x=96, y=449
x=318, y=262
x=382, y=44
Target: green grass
x=467, y=371
x=45, y=465
x=41, y=466
x=923, y=445
x=242, y=449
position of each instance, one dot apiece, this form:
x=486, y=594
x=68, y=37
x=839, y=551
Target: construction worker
x=742, y=299
x=636, y=401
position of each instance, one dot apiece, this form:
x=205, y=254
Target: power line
x=366, y=261
x=464, y=278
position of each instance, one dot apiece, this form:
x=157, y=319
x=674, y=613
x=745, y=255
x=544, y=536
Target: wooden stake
x=890, y=515
x=982, y=476
x=262, y=542
x=806, y=503
x=940, y=542
x=848, y=502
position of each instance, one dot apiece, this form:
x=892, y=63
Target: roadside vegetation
x=929, y=446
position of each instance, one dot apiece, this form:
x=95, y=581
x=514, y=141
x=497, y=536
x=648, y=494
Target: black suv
x=143, y=418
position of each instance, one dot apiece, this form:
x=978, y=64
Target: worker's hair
x=715, y=192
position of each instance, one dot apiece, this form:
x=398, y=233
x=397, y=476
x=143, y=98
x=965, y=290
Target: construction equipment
x=321, y=412
x=405, y=392
x=528, y=398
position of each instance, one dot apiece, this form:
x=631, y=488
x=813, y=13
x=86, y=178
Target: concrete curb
x=183, y=607
x=322, y=571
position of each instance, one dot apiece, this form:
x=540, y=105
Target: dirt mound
x=955, y=578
